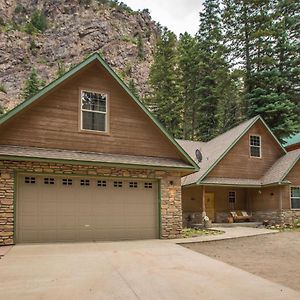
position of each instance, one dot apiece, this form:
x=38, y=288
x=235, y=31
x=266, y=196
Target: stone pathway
x=229, y=233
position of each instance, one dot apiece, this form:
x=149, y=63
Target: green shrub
x=2, y=22
x=85, y=3
x=33, y=47
x=20, y=9
x=141, y=50
x=29, y=28
x=39, y=20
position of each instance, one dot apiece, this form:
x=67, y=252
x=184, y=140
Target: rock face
x=75, y=30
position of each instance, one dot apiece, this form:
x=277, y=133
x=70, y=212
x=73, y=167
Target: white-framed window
x=295, y=197
x=93, y=111
x=232, y=197
x=255, y=146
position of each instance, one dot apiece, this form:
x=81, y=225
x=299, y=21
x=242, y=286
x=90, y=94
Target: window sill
x=94, y=132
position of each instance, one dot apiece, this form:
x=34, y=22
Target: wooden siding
x=238, y=164
x=53, y=121
x=293, y=147
x=192, y=198
x=294, y=175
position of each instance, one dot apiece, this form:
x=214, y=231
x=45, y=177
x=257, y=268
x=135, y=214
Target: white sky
x=178, y=15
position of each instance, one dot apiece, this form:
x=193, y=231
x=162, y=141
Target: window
x=255, y=146
x=118, y=183
x=295, y=197
x=101, y=183
x=148, y=185
x=133, y=184
x=232, y=197
x=48, y=180
x=85, y=182
x=93, y=111
x=29, y=179
x=67, y=181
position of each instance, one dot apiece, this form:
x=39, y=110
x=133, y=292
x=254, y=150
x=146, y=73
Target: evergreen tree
x=188, y=80
x=32, y=85
x=217, y=109
x=164, y=99
x=1, y=110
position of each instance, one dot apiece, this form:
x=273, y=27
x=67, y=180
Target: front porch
x=217, y=202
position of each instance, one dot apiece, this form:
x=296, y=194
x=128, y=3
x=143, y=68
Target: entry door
x=210, y=205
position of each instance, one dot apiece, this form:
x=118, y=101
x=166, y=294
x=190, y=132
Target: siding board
x=53, y=121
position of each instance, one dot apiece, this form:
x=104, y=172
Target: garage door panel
x=77, y=209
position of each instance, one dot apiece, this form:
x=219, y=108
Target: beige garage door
x=62, y=209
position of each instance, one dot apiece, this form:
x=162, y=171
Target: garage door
x=63, y=209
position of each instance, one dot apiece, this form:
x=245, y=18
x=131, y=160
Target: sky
x=178, y=15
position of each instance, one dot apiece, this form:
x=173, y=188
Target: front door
x=210, y=205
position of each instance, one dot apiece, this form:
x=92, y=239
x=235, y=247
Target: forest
x=244, y=61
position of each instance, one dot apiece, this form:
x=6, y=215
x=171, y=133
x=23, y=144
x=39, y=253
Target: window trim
x=82, y=130
x=260, y=148
x=293, y=186
x=235, y=198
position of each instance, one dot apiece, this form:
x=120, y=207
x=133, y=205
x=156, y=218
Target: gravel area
x=275, y=257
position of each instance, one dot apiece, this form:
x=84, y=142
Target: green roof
x=295, y=139
x=77, y=68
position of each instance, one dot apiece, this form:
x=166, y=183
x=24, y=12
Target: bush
x=20, y=9
x=85, y=3
x=2, y=22
x=3, y=89
x=39, y=20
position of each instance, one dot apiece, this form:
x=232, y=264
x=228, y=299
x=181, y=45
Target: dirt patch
x=275, y=257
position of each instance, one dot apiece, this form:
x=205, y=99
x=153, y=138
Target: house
x=84, y=160
x=293, y=142
x=246, y=168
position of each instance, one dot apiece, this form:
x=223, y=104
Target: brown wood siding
x=293, y=147
x=294, y=175
x=192, y=198
x=267, y=198
x=238, y=164
x=53, y=121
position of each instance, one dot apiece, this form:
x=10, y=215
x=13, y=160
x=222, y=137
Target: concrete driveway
x=126, y=270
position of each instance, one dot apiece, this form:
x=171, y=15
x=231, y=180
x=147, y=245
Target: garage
x=74, y=209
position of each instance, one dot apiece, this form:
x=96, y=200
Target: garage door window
x=101, y=183
x=84, y=182
x=67, y=181
x=48, y=180
x=148, y=185
x=29, y=179
x=133, y=184
x=118, y=184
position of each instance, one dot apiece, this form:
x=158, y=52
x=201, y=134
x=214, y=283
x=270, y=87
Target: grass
x=192, y=232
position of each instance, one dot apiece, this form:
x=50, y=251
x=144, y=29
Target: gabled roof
x=214, y=150
x=96, y=57
x=278, y=172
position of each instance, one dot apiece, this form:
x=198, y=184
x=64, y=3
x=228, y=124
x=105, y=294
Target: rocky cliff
x=75, y=29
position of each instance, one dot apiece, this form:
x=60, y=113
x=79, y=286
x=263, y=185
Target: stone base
x=290, y=216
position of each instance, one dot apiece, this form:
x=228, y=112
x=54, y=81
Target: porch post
x=280, y=198
x=203, y=200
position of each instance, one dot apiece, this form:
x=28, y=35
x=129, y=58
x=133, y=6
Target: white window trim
x=106, y=131
x=293, y=186
x=234, y=197
x=260, y=148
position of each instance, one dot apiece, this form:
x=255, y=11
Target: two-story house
x=246, y=168
x=84, y=160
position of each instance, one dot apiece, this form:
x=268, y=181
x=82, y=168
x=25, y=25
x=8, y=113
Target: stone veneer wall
x=170, y=183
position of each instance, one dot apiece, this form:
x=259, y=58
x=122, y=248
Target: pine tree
x=164, y=99
x=188, y=79
x=32, y=85
x=216, y=87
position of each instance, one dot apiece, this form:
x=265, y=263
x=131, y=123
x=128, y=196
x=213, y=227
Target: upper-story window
x=255, y=146
x=93, y=111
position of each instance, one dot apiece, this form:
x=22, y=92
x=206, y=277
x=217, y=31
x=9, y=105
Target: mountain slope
x=75, y=29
